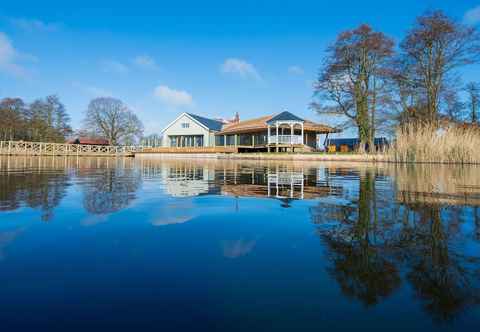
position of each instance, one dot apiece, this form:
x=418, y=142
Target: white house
x=276, y=132
x=191, y=130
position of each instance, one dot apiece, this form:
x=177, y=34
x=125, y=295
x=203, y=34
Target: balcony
x=285, y=139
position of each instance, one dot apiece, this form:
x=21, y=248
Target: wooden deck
x=20, y=148
x=217, y=149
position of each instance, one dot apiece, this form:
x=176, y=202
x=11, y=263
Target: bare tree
x=453, y=106
x=473, y=103
x=48, y=120
x=352, y=78
x=11, y=118
x=112, y=119
x=43, y=120
x=431, y=52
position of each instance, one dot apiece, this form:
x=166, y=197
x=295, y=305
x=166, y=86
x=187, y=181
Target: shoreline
x=271, y=156
x=355, y=158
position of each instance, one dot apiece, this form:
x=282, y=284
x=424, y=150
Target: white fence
x=63, y=149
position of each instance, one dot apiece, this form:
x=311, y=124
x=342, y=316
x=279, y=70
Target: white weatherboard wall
x=194, y=128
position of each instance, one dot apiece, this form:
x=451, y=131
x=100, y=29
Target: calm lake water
x=237, y=245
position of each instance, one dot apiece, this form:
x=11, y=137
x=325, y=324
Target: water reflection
x=38, y=190
x=370, y=240
x=41, y=183
x=7, y=237
x=238, y=248
x=384, y=228
x=110, y=190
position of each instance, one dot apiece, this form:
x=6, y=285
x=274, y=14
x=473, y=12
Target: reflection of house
x=187, y=181
x=280, y=132
x=286, y=185
x=280, y=184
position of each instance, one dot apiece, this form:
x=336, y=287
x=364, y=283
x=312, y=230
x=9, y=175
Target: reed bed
x=429, y=144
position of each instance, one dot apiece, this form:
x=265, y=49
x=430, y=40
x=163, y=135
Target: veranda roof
x=260, y=124
x=285, y=116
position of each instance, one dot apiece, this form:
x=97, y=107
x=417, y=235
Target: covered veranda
x=280, y=133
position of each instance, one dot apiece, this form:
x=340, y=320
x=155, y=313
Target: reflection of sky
x=200, y=256
x=238, y=248
x=6, y=238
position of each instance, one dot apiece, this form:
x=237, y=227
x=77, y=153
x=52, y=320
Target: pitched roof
x=260, y=124
x=247, y=125
x=285, y=116
x=209, y=123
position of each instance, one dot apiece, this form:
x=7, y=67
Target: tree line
x=42, y=120
x=378, y=85
x=47, y=120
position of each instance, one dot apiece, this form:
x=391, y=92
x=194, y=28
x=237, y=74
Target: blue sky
x=212, y=58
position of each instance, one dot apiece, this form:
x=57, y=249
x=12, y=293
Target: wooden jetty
x=21, y=148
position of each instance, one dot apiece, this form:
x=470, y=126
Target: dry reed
x=428, y=144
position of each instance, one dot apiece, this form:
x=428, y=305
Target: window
x=185, y=125
x=198, y=140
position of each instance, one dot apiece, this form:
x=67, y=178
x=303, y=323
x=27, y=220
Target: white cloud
x=172, y=97
x=92, y=91
x=472, y=16
x=146, y=62
x=240, y=68
x=296, y=70
x=32, y=25
x=112, y=66
x=8, y=58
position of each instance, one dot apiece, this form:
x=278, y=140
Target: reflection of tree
x=111, y=190
x=361, y=270
x=359, y=262
x=442, y=275
x=370, y=238
x=43, y=190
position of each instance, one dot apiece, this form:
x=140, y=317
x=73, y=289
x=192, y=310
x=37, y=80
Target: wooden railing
x=285, y=139
x=63, y=149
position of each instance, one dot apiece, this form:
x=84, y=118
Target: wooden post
x=276, y=142
x=291, y=135
x=302, y=133
x=268, y=134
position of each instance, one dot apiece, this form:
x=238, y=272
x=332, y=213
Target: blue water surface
x=185, y=244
